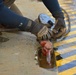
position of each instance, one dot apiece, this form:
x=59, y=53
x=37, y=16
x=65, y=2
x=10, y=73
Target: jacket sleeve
x=10, y=19
x=53, y=6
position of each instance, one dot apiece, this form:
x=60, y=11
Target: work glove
x=60, y=27
x=41, y=31
x=44, y=34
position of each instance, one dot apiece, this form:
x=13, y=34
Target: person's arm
x=12, y=20
x=54, y=7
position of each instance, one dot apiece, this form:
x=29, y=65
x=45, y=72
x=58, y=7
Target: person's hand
x=44, y=34
x=60, y=28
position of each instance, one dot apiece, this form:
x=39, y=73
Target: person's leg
x=52, y=5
